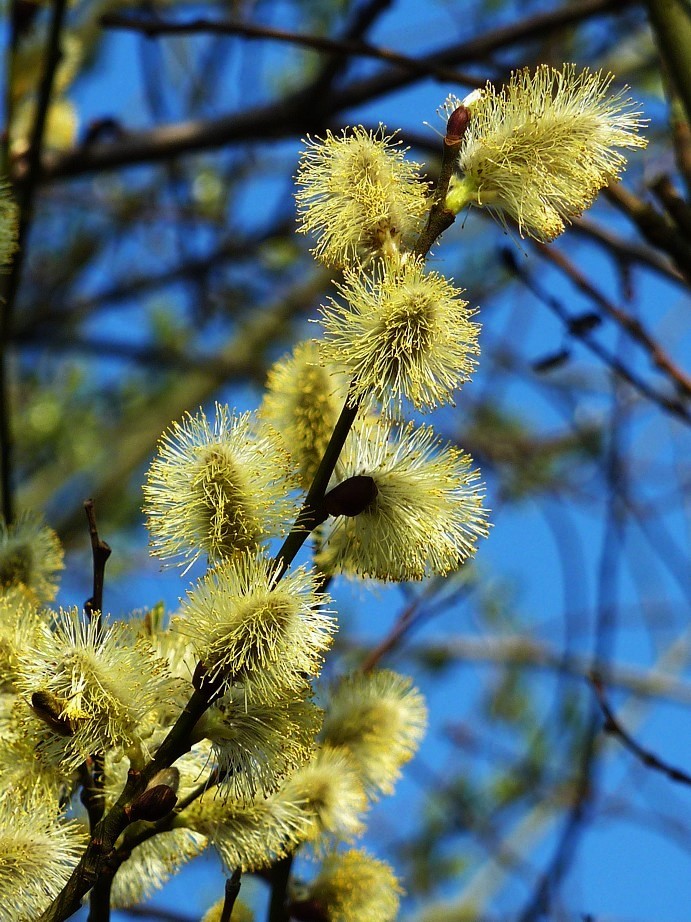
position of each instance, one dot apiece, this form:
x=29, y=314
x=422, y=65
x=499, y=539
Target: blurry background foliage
x=160, y=270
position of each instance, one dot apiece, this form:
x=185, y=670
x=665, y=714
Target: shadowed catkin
x=352, y=885
x=379, y=718
x=38, y=851
x=358, y=195
x=23, y=772
x=31, y=556
x=302, y=402
x=542, y=147
x=329, y=798
x=8, y=226
x=98, y=689
x=20, y=619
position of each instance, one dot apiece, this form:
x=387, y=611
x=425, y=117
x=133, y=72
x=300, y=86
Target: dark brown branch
x=278, y=904
x=154, y=26
x=99, y=902
x=312, y=512
x=613, y=727
x=100, y=551
x=671, y=24
x=659, y=358
x=440, y=218
x=289, y=117
x=231, y=894
x=9, y=284
x=681, y=136
x=673, y=203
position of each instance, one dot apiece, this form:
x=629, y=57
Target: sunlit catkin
x=256, y=745
x=247, y=626
x=31, y=557
x=358, y=195
x=400, y=334
x=426, y=517
x=540, y=148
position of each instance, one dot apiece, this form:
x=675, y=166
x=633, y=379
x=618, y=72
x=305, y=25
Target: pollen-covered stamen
x=352, y=496
x=402, y=334
x=359, y=196
x=217, y=487
x=244, y=626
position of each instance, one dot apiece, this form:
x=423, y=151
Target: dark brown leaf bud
x=49, y=708
x=153, y=804
x=352, y=496
x=308, y=911
x=168, y=776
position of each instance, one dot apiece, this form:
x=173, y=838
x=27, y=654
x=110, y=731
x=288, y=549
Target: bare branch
x=648, y=758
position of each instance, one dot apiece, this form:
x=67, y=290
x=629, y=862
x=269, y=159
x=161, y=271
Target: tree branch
x=648, y=758
x=289, y=117
x=154, y=26
x=636, y=330
x=9, y=284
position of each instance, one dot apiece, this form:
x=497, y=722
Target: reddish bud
x=168, y=776
x=457, y=124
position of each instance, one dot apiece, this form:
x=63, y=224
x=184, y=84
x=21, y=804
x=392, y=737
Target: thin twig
x=93, y=778
x=288, y=116
x=100, y=551
x=633, y=326
x=581, y=331
x=627, y=252
x=153, y=26
x=613, y=727
x=231, y=894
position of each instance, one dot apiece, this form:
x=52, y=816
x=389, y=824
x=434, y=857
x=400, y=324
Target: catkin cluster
x=267, y=770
